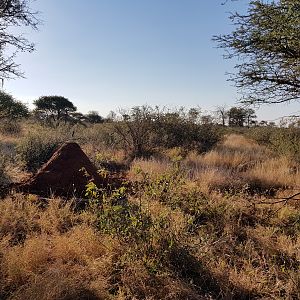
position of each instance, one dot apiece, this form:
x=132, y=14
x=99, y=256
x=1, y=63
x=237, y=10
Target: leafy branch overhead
x=266, y=45
x=14, y=13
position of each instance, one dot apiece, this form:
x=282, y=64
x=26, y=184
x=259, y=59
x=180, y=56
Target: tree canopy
x=266, y=44
x=239, y=116
x=14, y=13
x=10, y=108
x=94, y=117
x=53, y=108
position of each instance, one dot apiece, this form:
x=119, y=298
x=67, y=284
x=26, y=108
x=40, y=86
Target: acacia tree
x=14, y=13
x=266, y=43
x=239, y=116
x=53, y=108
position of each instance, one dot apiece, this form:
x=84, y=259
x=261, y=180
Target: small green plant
x=116, y=215
x=151, y=239
x=163, y=187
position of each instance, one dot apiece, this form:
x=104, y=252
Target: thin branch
x=282, y=200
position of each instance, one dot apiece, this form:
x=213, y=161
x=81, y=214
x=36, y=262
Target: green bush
x=261, y=134
x=286, y=141
x=34, y=150
x=4, y=178
x=283, y=141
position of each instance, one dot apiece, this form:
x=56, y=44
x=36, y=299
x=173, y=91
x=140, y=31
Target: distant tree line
x=51, y=110
x=55, y=110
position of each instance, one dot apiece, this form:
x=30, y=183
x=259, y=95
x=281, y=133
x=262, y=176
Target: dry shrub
x=10, y=128
x=4, y=177
x=18, y=219
x=21, y=217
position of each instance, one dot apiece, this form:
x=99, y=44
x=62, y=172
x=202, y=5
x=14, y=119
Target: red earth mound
x=67, y=173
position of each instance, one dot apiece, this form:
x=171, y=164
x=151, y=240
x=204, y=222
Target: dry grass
x=197, y=227
x=238, y=163
x=276, y=172
x=152, y=167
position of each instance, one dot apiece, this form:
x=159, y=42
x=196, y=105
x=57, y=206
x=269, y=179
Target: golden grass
x=208, y=235
x=50, y=267
x=276, y=172
x=153, y=167
x=237, y=163
x=237, y=141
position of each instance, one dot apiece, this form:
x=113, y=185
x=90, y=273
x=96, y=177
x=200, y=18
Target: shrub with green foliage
x=261, y=134
x=11, y=109
x=34, y=150
x=284, y=141
x=4, y=178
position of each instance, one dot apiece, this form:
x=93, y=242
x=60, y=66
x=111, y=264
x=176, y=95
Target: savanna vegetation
x=209, y=203
x=197, y=217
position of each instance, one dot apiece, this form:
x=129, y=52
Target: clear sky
x=109, y=54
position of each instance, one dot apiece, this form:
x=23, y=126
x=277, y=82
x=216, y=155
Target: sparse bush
x=144, y=130
x=36, y=147
x=136, y=131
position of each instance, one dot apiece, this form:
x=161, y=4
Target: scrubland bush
x=283, y=141
x=142, y=131
x=36, y=147
x=38, y=143
x=286, y=141
x=4, y=178
x=34, y=150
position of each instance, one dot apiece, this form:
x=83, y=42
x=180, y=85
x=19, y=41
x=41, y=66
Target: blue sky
x=109, y=54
